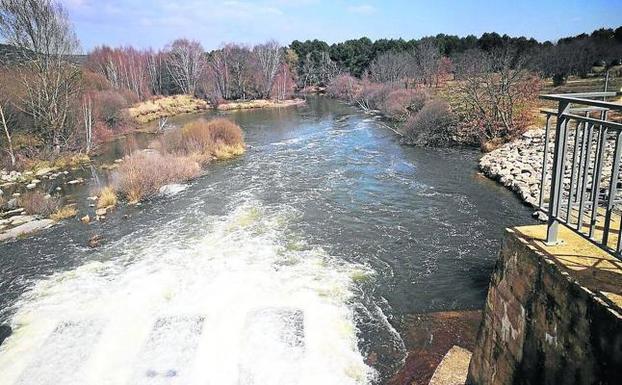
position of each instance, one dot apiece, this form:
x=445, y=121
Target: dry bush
x=64, y=213
x=107, y=198
x=142, y=174
x=434, y=125
x=344, y=87
x=401, y=102
x=37, y=203
x=206, y=139
x=110, y=108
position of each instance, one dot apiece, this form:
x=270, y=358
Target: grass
x=258, y=103
x=159, y=107
x=107, y=198
x=63, y=213
x=62, y=162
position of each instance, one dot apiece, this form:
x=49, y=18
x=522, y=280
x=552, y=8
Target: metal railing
x=580, y=185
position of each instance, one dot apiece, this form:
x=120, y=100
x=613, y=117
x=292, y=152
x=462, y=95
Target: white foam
x=221, y=271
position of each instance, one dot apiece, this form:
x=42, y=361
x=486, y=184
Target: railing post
x=557, y=176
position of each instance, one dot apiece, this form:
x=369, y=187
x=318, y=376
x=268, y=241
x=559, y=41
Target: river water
x=289, y=265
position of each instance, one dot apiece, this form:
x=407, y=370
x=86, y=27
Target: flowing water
x=289, y=265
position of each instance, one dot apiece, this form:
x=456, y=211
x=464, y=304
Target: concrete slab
x=169, y=351
x=453, y=369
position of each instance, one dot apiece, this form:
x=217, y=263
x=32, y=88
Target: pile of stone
x=518, y=165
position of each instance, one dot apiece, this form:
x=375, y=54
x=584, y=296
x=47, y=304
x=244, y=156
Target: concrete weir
x=552, y=315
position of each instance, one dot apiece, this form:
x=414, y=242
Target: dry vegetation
x=178, y=157
x=142, y=174
x=259, y=103
x=159, y=107
x=38, y=203
x=107, y=198
x=64, y=212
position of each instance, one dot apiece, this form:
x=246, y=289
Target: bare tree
x=269, y=56
x=390, y=67
x=87, y=116
x=41, y=31
x=186, y=63
x=496, y=94
x=8, y=137
x=427, y=58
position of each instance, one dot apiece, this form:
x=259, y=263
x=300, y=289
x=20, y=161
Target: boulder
x=26, y=228
x=172, y=189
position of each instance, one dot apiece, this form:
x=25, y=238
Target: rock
x=58, y=188
x=31, y=186
x=539, y=215
x=12, y=204
x=100, y=212
x=95, y=241
x=76, y=181
x=85, y=219
x=1, y=193
x=35, y=181
x=26, y=228
x=93, y=198
x=21, y=219
x=44, y=171
x=172, y=189
x=5, y=332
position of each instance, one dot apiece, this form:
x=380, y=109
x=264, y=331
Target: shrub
x=107, y=198
x=64, y=213
x=204, y=140
x=110, y=108
x=37, y=203
x=400, y=103
x=344, y=87
x=142, y=174
x=434, y=125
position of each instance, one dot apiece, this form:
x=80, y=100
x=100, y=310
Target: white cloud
x=362, y=9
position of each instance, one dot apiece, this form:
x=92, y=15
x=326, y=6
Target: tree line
x=576, y=55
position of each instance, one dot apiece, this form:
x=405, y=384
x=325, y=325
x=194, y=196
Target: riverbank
x=518, y=165
x=16, y=222
x=168, y=106
x=34, y=200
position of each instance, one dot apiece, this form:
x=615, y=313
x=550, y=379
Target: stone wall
x=541, y=326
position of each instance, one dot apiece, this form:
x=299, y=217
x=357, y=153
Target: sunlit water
x=290, y=265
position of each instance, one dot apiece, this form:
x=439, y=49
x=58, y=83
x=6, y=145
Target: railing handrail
x=580, y=195
x=584, y=98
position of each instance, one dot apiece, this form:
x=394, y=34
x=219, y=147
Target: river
x=288, y=265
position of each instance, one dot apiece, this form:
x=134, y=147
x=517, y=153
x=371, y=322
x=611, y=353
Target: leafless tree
x=87, y=116
x=41, y=31
x=496, y=93
x=269, y=56
x=390, y=67
x=186, y=63
x=7, y=133
x=426, y=59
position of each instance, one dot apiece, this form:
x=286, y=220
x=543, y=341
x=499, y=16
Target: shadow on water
x=409, y=230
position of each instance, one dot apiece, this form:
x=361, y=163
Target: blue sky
x=153, y=23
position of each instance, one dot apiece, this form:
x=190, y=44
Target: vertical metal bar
x=598, y=165
x=573, y=174
x=581, y=174
x=557, y=177
x=545, y=159
x=586, y=170
x=613, y=187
